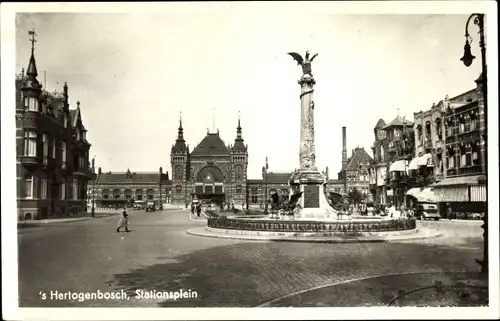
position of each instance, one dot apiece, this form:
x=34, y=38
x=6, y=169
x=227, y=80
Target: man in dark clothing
x=198, y=210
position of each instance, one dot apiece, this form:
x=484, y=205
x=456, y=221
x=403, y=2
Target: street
x=158, y=255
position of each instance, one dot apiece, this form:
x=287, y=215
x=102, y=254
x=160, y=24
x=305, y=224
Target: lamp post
x=96, y=177
x=482, y=104
x=159, y=184
x=264, y=169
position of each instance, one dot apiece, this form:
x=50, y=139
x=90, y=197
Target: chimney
x=99, y=171
x=93, y=165
x=344, y=148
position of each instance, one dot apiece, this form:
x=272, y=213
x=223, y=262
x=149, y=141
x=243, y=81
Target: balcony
x=465, y=170
x=465, y=136
x=30, y=160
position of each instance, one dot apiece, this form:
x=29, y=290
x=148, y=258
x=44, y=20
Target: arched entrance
x=209, y=185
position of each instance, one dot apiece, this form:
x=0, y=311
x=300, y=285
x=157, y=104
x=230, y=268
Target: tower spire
x=32, y=72
x=180, y=133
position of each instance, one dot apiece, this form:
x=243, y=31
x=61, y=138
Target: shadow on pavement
x=248, y=274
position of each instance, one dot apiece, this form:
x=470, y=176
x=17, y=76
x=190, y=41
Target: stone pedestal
x=313, y=203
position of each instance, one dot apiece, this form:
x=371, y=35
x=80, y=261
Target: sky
x=134, y=73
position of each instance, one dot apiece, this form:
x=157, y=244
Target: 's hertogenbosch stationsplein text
x=121, y=295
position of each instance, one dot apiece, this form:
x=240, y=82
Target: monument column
x=307, y=179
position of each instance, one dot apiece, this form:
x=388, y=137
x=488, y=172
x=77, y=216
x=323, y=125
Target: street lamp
x=159, y=183
x=467, y=59
x=96, y=177
x=264, y=170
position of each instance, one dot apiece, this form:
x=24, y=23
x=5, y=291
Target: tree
x=355, y=197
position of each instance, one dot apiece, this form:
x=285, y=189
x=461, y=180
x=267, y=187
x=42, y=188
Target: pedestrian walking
x=198, y=210
x=192, y=208
x=449, y=211
x=123, y=222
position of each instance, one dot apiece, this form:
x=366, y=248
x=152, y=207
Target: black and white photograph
x=250, y=155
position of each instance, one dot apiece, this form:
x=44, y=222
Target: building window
x=75, y=189
x=462, y=127
x=255, y=191
x=439, y=128
x=467, y=124
x=451, y=159
x=239, y=172
x=178, y=172
x=473, y=123
x=254, y=199
x=33, y=104
x=28, y=186
x=138, y=194
x=238, y=189
x=45, y=148
x=77, y=134
x=150, y=194
x=43, y=191
x=178, y=188
x=63, y=190
x=457, y=158
x=53, y=147
x=128, y=194
x=105, y=193
x=116, y=193
x=30, y=144
x=63, y=148
x=84, y=135
x=468, y=155
x=25, y=101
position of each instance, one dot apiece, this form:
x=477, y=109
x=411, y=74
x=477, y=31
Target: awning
x=413, y=191
x=427, y=195
x=461, y=180
x=452, y=193
x=425, y=160
x=478, y=193
x=398, y=166
x=413, y=164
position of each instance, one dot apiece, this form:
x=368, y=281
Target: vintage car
x=426, y=211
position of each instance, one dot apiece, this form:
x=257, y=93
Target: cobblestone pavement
x=158, y=254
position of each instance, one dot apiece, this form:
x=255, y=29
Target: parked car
x=427, y=211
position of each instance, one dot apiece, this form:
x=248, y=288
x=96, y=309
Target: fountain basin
x=276, y=227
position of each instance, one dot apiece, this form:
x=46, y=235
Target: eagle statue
x=304, y=62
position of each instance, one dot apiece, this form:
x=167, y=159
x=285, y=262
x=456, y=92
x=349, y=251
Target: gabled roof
x=131, y=178
x=212, y=144
x=399, y=121
x=380, y=124
x=359, y=156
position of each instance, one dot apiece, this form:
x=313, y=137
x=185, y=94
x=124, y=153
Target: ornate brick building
x=213, y=170
x=354, y=173
x=393, y=149
x=51, y=148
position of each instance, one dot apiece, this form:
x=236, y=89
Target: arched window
x=239, y=172
x=439, y=128
x=427, y=131
x=116, y=193
x=419, y=133
x=28, y=186
x=178, y=188
x=150, y=194
x=138, y=194
x=178, y=172
x=238, y=189
x=128, y=194
x=105, y=193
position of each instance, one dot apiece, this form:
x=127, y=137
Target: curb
x=204, y=233
x=48, y=222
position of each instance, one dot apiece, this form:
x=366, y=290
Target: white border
x=8, y=197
